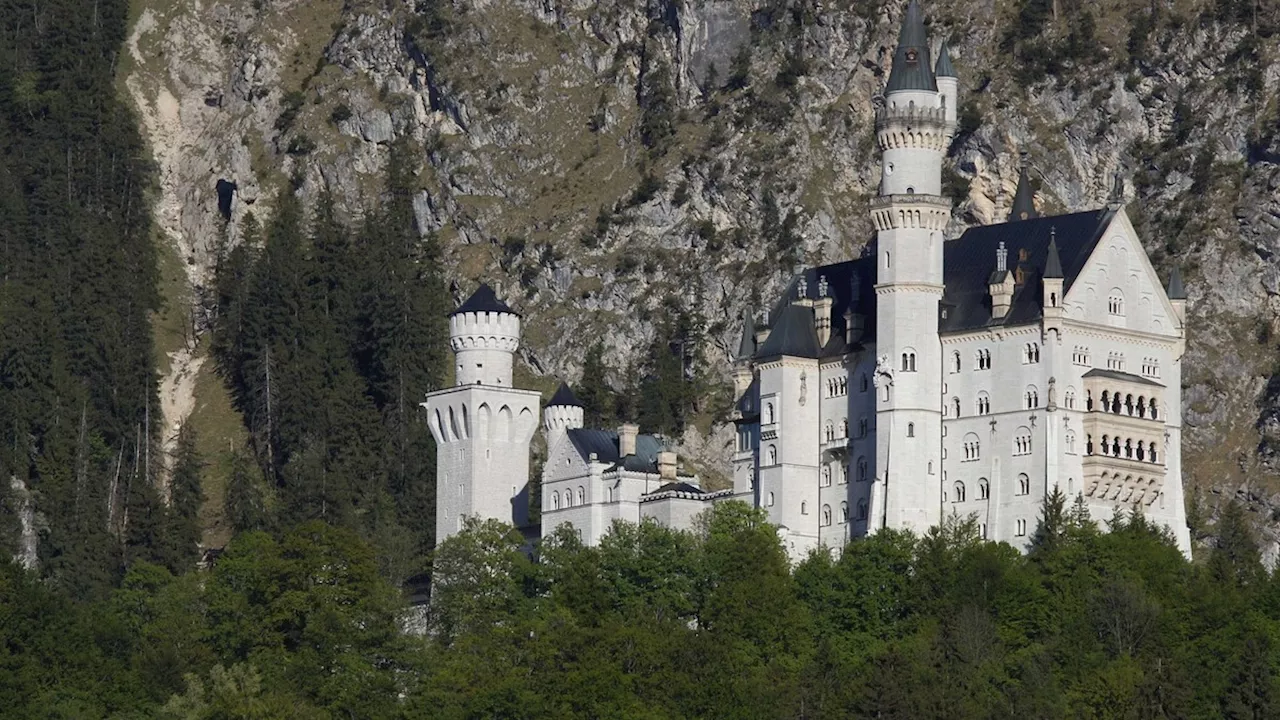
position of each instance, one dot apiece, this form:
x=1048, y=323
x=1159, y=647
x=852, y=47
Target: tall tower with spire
x=915, y=121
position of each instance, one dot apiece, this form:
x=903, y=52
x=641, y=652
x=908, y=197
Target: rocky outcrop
x=599, y=160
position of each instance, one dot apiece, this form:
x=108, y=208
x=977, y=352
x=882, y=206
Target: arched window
x=826, y=476
x=959, y=491
x=830, y=431
x=955, y=407
x=972, y=447
x=862, y=509
x=610, y=494
x=955, y=361
x=1032, y=397
x=1022, y=441
x=1115, y=303
x=984, y=359
x=862, y=427
x=773, y=454
x=1069, y=399
x=844, y=427
x=982, y=531
x=861, y=469
x=769, y=499
x=581, y=496
x=911, y=429
x=1022, y=527
x=984, y=490
x=862, y=382
x=909, y=361
x=826, y=515
x=1071, y=443
x=1031, y=353
x=555, y=501
x=804, y=508
x=984, y=403
x=844, y=512
x=768, y=413
x=1024, y=484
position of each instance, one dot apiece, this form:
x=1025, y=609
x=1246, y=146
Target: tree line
x=328, y=336
x=658, y=623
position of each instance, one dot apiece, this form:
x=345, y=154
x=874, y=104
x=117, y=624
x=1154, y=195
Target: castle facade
x=928, y=378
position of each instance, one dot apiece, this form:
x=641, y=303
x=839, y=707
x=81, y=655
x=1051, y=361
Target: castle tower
x=564, y=412
x=914, y=126
x=482, y=426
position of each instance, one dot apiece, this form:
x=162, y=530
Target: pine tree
x=599, y=406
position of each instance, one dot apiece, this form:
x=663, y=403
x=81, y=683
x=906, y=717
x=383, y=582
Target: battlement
x=895, y=212
x=484, y=343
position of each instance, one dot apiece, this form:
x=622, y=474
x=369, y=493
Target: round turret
x=563, y=413
x=484, y=334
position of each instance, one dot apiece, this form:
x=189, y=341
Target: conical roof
x=747, y=345
x=943, y=67
x=1053, y=263
x=564, y=396
x=912, y=68
x=1024, y=202
x=1175, y=290
x=484, y=299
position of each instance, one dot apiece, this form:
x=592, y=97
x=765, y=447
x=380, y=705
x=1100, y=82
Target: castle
x=928, y=378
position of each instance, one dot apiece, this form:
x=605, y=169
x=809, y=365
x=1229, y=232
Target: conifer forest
x=326, y=329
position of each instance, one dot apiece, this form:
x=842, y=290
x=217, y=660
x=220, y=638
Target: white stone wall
x=482, y=438
x=680, y=513
x=791, y=392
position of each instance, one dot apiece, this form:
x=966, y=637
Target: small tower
x=482, y=425
x=1177, y=296
x=1024, y=198
x=742, y=372
x=1052, y=279
x=948, y=83
x=564, y=412
x=1001, y=285
x=914, y=125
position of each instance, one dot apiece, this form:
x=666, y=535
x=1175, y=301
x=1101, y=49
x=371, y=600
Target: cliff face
x=603, y=160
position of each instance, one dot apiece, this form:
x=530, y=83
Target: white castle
x=927, y=379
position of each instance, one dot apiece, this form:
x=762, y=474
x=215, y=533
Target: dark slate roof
x=969, y=259
x=1117, y=375
x=912, y=68
x=943, y=67
x=793, y=334
x=1024, y=199
x=1175, y=290
x=484, y=300
x=604, y=443
x=1053, y=263
x=747, y=345
x=851, y=285
x=564, y=396
x=682, y=487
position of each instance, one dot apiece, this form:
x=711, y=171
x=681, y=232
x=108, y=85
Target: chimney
x=822, y=312
x=667, y=466
x=627, y=433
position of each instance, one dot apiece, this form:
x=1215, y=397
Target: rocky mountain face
x=602, y=162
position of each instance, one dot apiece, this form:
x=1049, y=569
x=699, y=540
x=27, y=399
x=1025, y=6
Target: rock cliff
x=600, y=160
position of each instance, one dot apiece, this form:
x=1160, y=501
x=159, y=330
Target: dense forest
x=657, y=623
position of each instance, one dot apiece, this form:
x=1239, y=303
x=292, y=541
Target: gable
x=1119, y=287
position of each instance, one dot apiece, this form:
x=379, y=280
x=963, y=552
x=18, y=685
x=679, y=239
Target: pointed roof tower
x=564, y=396
x=1175, y=290
x=1024, y=199
x=943, y=67
x=484, y=299
x=747, y=345
x=1053, y=263
x=912, y=69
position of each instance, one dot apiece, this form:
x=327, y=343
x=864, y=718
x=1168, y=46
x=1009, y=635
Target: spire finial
x=1002, y=258
x=912, y=68
x=822, y=286
x=1024, y=203
x=1116, y=198
x=802, y=288
x=1053, y=263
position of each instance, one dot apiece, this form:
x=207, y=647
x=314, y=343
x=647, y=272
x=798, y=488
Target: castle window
x=955, y=407
x=830, y=431
x=1080, y=355
x=1069, y=399
x=1032, y=397
x=844, y=512
x=1031, y=353
x=581, y=496
x=862, y=469
x=911, y=429
x=844, y=473
x=862, y=509
x=844, y=427
x=826, y=476
x=984, y=359
x=972, y=447
x=770, y=500
x=773, y=455
x=555, y=501
x=1071, y=443
x=862, y=427
x=1115, y=303
x=804, y=508
x=959, y=491
x=1022, y=442
x=826, y=515
x=984, y=490
x=1024, y=484
x=887, y=264
x=982, y=531
x=984, y=404
x=1022, y=527
x=955, y=361
x=908, y=362
x=768, y=413
x=862, y=382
